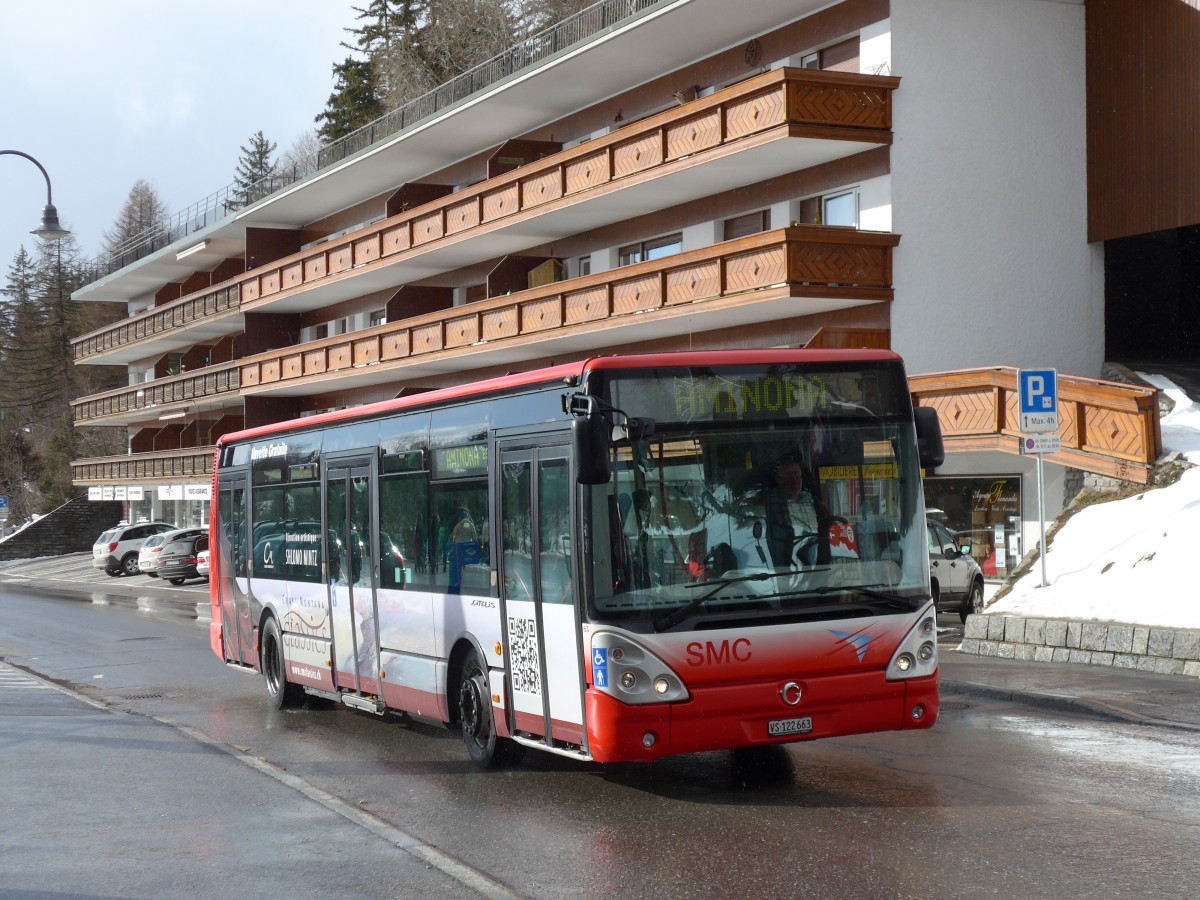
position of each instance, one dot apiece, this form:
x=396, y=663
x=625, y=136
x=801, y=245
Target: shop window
x=983, y=511
x=658, y=248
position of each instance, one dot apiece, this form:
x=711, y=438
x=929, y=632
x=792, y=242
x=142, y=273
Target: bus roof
x=565, y=373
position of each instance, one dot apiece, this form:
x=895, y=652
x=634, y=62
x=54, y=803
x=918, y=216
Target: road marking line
x=402, y=840
x=459, y=871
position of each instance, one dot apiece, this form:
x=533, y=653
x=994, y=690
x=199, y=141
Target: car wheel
x=935, y=594
x=114, y=573
x=129, y=565
x=280, y=693
x=176, y=581
x=485, y=748
x=973, y=605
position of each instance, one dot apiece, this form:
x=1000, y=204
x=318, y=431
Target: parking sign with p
x=1038, y=401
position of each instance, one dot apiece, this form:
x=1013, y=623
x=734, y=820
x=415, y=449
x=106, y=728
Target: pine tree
x=38, y=378
x=353, y=103
x=143, y=213
x=253, y=178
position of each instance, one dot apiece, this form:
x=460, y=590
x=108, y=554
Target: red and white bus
x=612, y=560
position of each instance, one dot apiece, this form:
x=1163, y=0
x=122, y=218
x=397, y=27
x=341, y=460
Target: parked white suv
x=956, y=579
x=116, y=550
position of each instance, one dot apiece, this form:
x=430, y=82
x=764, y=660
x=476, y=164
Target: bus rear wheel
x=280, y=693
x=485, y=748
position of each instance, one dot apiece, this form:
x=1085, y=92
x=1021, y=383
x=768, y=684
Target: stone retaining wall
x=1146, y=648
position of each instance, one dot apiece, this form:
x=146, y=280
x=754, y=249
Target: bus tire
x=486, y=749
x=280, y=693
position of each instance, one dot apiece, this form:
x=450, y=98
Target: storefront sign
x=197, y=492
x=170, y=492
x=1002, y=495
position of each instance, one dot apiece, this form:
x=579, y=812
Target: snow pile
x=1134, y=560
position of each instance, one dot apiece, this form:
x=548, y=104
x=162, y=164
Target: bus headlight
x=916, y=657
x=629, y=672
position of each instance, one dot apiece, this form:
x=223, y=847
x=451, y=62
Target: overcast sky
x=104, y=92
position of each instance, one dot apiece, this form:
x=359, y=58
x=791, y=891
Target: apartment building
x=656, y=176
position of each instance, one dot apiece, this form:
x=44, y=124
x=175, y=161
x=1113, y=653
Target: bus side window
x=404, y=531
x=461, y=538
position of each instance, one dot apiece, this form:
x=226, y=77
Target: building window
x=648, y=250
x=379, y=317
x=840, y=209
x=743, y=226
x=585, y=265
x=841, y=57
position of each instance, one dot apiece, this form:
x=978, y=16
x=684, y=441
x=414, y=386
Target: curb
x=1059, y=703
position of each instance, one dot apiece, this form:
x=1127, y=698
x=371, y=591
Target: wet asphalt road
x=996, y=799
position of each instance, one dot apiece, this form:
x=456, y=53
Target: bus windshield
x=813, y=505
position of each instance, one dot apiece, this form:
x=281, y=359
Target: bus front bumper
x=728, y=717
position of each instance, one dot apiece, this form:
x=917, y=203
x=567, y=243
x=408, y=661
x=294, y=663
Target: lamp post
x=49, y=230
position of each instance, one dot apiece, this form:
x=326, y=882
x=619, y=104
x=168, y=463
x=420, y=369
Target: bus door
x=537, y=596
x=351, y=563
x=233, y=576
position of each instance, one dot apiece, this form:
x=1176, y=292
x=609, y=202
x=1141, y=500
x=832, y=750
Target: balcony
x=1105, y=427
x=209, y=388
x=194, y=464
x=775, y=123
x=209, y=314
x=766, y=277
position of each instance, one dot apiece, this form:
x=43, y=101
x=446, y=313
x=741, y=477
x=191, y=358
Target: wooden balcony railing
x=1105, y=427
x=142, y=402
x=807, y=261
x=825, y=105
x=801, y=102
x=161, y=465
x=199, y=307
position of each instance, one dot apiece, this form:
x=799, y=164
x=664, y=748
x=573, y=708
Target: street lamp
x=49, y=230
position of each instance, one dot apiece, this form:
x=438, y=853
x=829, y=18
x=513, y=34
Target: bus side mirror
x=591, y=436
x=930, y=450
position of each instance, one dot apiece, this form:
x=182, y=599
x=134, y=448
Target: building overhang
x=633, y=52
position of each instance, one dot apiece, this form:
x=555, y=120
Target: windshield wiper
x=676, y=616
x=893, y=600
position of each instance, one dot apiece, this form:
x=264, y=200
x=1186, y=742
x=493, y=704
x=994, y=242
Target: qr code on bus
x=523, y=655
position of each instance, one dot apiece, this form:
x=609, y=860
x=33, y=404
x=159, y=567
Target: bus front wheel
x=280, y=693
x=485, y=748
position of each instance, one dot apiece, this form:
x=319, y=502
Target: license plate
x=789, y=726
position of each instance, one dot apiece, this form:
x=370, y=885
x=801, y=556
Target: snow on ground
x=1133, y=560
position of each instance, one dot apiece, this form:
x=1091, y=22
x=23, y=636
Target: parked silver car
x=956, y=579
x=154, y=544
x=116, y=550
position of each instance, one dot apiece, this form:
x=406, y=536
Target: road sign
x=1040, y=443
x=1038, y=389
x=3, y=507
